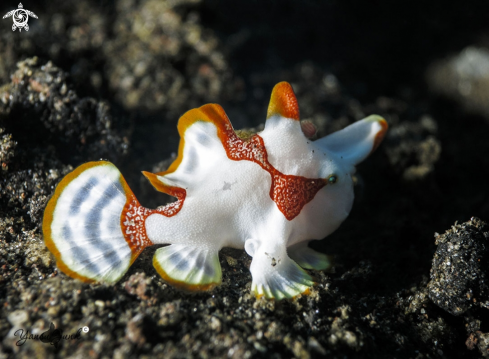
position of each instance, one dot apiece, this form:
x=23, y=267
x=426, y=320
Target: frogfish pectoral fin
x=308, y=258
x=93, y=224
x=275, y=275
x=188, y=267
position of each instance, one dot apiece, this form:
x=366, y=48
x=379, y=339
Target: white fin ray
x=94, y=258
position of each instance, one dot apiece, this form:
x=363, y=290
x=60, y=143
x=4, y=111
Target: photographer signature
x=52, y=336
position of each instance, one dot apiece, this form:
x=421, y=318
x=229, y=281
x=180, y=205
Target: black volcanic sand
x=98, y=79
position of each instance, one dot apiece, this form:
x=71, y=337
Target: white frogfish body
x=270, y=194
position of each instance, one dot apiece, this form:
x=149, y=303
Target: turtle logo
x=20, y=17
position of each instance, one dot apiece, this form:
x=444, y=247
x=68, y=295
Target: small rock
x=18, y=317
x=215, y=324
x=459, y=272
x=134, y=330
x=313, y=344
x=137, y=285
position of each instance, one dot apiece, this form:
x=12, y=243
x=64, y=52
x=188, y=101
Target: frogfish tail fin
x=94, y=224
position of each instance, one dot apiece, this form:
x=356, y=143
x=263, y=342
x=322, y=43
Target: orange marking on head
x=182, y=285
x=291, y=193
x=48, y=218
x=283, y=102
x=380, y=135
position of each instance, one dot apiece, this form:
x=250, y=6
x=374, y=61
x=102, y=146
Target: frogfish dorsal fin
x=198, y=145
x=165, y=187
x=212, y=113
x=283, y=102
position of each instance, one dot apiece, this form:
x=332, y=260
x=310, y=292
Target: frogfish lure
x=270, y=193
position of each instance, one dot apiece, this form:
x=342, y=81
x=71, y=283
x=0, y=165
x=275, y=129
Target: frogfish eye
x=332, y=179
